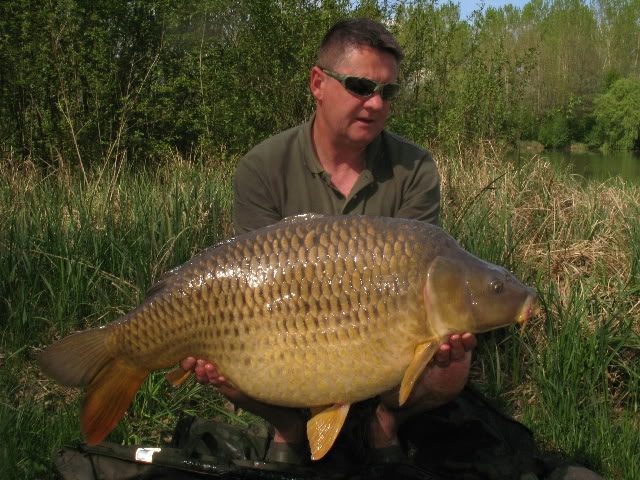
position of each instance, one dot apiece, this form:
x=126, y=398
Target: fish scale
x=312, y=311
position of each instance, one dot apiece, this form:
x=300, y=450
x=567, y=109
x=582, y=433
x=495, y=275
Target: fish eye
x=497, y=287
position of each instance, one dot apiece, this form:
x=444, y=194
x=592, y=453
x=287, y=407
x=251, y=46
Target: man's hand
x=207, y=374
x=446, y=375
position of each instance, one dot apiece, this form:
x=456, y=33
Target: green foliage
x=565, y=125
x=83, y=80
x=575, y=374
x=611, y=76
x=576, y=41
x=87, y=80
x=462, y=83
x=554, y=131
x=527, y=124
x=617, y=115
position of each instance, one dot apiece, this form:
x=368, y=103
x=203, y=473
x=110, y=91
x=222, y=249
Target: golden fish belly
x=292, y=317
x=342, y=363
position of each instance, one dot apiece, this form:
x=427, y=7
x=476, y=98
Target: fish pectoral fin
x=423, y=354
x=324, y=427
x=107, y=398
x=178, y=376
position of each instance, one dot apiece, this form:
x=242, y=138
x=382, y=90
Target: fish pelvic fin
x=84, y=360
x=423, y=354
x=178, y=376
x=109, y=395
x=323, y=429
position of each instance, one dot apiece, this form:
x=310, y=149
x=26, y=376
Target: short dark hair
x=356, y=32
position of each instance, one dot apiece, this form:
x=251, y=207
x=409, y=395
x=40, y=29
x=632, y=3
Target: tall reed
x=573, y=377
x=77, y=254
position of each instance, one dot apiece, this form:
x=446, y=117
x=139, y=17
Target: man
x=343, y=162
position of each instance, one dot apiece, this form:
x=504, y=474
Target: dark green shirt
x=282, y=176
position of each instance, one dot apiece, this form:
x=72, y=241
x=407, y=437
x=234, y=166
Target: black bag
x=470, y=439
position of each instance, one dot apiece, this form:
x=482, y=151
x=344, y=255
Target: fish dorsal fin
x=423, y=354
x=167, y=277
x=158, y=286
x=301, y=217
x=163, y=281
x=324, y=427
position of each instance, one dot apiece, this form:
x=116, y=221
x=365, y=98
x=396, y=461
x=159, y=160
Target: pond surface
x=592, y=165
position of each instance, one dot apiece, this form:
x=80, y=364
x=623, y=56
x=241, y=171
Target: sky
x=468, y=6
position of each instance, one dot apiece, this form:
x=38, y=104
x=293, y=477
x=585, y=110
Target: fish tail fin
x=109, y=395
x=84, y=360
x=76, y=359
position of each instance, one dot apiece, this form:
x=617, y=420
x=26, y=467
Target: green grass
x=586, y=377
x=574, y=376
x=76, y=254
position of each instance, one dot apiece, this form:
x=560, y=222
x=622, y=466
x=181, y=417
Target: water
x=594, y=165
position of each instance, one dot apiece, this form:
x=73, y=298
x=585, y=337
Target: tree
x=617, y=115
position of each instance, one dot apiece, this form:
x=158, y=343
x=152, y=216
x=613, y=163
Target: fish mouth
x=530, y=309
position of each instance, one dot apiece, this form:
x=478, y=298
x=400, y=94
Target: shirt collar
x=372, y=153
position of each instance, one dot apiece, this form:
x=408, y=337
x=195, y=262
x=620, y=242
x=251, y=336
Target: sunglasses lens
x=360, y=86
x=390, y=91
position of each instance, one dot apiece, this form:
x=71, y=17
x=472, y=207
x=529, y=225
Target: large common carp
x=313, y=311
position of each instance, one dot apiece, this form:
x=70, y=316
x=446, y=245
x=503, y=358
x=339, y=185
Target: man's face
x=350, y=120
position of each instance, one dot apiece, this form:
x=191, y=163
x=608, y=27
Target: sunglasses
x=364, y=87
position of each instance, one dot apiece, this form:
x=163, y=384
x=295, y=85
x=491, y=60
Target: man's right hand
x=207, y=374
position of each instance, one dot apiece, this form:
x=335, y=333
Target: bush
x=555, y=130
